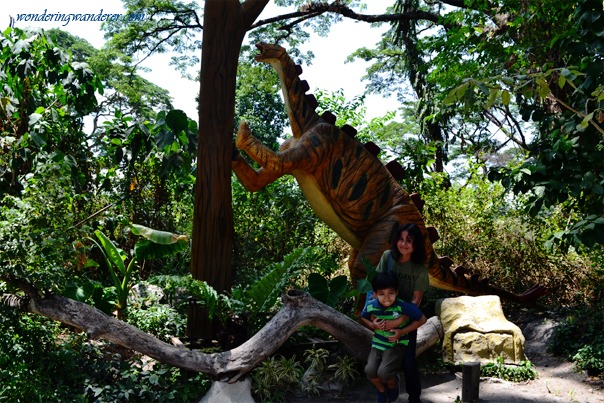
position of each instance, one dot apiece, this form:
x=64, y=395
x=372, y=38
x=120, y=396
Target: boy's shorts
x=384, y=364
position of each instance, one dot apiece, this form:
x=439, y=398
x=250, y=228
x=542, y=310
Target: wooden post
x=470, y=381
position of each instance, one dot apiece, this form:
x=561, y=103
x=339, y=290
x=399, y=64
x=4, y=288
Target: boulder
x=475, y=329
x=224, y=392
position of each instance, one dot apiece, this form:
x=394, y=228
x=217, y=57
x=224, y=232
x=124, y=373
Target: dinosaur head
x=269, y=53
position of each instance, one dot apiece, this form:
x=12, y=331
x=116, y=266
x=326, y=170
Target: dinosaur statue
x=345, y=183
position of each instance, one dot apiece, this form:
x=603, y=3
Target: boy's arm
x=372, y=324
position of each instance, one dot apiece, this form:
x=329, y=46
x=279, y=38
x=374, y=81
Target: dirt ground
x=557, y=380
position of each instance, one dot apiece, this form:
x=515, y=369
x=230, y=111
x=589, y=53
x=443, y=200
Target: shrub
x=515, y=373
x=160, y=320
x=579, y=338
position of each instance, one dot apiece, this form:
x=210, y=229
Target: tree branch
x=315, y=9
x=299, y=309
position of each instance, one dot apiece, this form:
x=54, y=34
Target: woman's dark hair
x=383, y=280
x=419, y=249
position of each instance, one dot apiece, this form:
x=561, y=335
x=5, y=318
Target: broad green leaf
x=492, y=97
x=159, y=237
x=505, y=97
x=177, y=120
x=337, y=287
x=318, y=287
x=561, y=81
x=111, y=252
x=146, y=250
x=34, y=118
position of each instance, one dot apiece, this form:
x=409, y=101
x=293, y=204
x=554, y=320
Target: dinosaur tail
x=300, y=106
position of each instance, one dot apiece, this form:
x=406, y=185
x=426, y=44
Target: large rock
x=224, y=392
x=475, y=329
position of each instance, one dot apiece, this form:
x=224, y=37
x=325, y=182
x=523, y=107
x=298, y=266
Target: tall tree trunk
x=225, y=25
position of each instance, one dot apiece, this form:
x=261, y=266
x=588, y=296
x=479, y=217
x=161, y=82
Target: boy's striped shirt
x=398, y=309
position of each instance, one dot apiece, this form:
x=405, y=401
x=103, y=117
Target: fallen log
x=299, y=309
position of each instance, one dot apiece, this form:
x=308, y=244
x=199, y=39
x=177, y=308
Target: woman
x=408, y=255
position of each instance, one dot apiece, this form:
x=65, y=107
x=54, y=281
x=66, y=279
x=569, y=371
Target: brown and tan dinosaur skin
x=346, y=185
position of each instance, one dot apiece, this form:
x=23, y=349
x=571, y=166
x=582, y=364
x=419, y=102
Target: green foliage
x=44, y=96
x=150, y=164
x=258, y=101
x=162, y=30
x=319, y=371
x=40, y=363
x=516, y=373
x=162, y=384
x=120, y=273
x=124, y=89
x=31, y=366
x=579, y=338
x=93, y=293
x=483, y=230
x=179, y=288
x=364, y=285
x=590, y=358
x=326, y=290
x=276, y=378
x=269, y=224
x=160, y=320
x=33, y=236
x=157, y=244
x=263, y=295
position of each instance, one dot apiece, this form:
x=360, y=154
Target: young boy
x=388, y=347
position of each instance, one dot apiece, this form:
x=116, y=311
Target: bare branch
x=315, y=9
x=299, y=309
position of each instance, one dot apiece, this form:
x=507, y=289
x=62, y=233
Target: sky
x=328, y=71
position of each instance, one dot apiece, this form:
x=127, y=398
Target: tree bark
x=299, y=309
x=225, y=24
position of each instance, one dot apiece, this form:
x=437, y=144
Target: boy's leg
x=371, y=370
x=389, y=368
x=412, y=378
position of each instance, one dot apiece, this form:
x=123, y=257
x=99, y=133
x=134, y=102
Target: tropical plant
x=156, y=244
x=263, y=296
x=579, y=338
x=326, y=290
x=276, y=378
x=522, y=372
x=178, y=289
x=160, y=320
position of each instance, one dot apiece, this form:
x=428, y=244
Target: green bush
x=276, y=378
x=579, y=338
x=484, y=230
x=41, y=361
x=160, y=320
x=515, y=373
x=32, y=366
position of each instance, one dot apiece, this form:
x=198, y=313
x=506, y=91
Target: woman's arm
x=417, y=297
x=394, y=323
x=398, y=333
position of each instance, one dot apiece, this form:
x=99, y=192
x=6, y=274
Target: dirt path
x=557, y=381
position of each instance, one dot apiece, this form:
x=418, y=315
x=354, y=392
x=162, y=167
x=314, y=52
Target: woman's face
x=405, y=246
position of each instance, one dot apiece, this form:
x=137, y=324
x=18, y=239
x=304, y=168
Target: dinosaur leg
x=292, y=155
x=251, y=179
